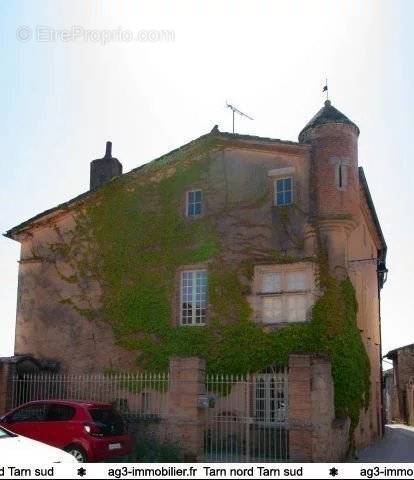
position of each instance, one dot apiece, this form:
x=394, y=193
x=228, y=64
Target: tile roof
x=327, y=114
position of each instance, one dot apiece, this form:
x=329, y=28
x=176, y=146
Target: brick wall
x=315, y=434
x=5, y=372
x=186, y=421
x=405, y=372
x=403, y=360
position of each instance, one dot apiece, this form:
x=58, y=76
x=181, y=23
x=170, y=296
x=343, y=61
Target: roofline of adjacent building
x=214, y=133
x=392, y=353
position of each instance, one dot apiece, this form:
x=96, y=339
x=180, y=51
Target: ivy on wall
x=132, y=239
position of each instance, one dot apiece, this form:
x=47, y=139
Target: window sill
x=275, y=205
x=194, y=217
x=281, y=324
x=284, y=292
x=192, y=324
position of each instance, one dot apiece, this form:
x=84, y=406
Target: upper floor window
x=194, y=203
x=193, y=304
x=283, y=191
x=285, y=294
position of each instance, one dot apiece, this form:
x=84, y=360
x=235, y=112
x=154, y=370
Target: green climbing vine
x=132, y=237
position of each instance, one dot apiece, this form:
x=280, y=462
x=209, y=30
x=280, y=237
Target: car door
x=29, y=421
x=60, y=425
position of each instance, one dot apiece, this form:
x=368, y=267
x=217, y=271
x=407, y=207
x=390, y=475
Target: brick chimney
x=104, y=169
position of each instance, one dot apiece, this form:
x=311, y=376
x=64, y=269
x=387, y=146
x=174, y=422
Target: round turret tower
x=334, y=202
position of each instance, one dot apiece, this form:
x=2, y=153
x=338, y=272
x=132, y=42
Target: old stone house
x=400, y=385
x=236, y=248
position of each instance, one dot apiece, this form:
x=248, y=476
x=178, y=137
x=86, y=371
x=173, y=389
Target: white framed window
x=285, y=295
x=270, y=399
x=193, y=297
x=283, y=191
x=194, y=203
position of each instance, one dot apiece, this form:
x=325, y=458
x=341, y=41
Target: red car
x=90, y=431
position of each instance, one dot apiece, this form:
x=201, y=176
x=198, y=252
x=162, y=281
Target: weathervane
x=325, y=89
x=235, y=110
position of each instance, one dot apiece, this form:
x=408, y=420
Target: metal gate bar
x=249, y=421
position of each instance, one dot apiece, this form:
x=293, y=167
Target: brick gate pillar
x=300, y=409
x=5, y=374
x=315, y=435
x=186, y=420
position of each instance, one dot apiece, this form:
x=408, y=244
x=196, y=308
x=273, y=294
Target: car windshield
x=108, y=420
x=5, y=434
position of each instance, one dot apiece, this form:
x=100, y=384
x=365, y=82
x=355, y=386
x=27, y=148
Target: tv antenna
x=236, y=110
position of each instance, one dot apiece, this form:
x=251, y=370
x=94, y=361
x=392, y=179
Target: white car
x=21, y=450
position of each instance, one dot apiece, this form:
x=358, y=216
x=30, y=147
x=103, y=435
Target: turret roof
x=327, y=114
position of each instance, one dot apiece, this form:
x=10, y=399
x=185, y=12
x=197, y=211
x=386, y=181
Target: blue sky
x=62, y=100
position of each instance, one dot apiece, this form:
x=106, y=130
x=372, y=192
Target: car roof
x=79, y=403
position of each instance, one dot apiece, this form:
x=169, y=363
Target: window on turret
x=194, y=203
x=283, y=191
x=341, y=176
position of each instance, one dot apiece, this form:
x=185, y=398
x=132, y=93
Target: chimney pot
x=104, y=169
x=108, y=152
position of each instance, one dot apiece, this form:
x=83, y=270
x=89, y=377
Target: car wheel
x=77, y=452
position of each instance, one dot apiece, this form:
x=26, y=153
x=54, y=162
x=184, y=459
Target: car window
x=31, y=413
x=108, y=420
x=60, y=413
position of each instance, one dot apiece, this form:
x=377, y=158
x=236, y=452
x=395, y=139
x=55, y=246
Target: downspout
x=382, y=277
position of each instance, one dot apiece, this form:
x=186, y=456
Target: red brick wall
x=331, y=143
x=315, y=434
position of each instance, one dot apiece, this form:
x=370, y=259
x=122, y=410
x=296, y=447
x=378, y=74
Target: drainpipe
x=382, y=277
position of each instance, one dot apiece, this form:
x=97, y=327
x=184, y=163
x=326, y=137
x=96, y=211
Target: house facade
x=399, y=385
x=235, y=248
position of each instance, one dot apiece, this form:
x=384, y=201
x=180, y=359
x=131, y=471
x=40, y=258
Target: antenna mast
x=236, y=110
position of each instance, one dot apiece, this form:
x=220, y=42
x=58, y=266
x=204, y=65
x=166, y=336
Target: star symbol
x=333, y=472
x=81, y=472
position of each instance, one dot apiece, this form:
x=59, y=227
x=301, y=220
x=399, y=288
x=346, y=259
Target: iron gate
x=249, y=420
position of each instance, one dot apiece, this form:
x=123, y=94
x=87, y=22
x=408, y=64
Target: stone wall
x=405, y=368
x=410, y=404
x=403, y=360
x=238, y=194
